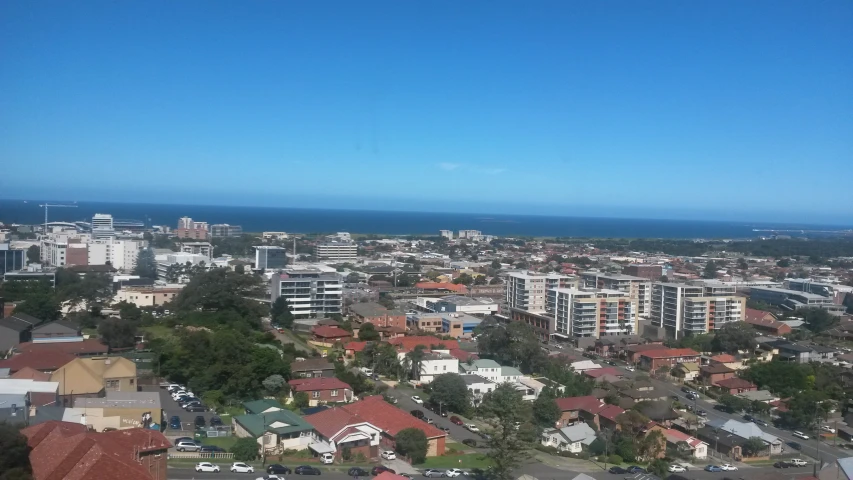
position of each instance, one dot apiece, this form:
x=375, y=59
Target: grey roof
x=471, y=379
x=794, y=347
x=15, y=324
x=485, y=363
x=743, y=429
x=121, y=400
x=369, y=309
x=510, y=372
x=4, y=372
x=846, y=466
x=460, y=300
x=311, y=364
x=62, y=323
x=579, y=432
x=760, y=395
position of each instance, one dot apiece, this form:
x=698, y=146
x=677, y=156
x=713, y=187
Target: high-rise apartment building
x=591, y=313
x=527, y=290
x=309, y=292
x=638, y=288
x=102, y=226
x=269, y=257
x=448, y=234
x=470, y=233
x=187, y=228
x=225, y=230
x=336, y=250
x=700, y=307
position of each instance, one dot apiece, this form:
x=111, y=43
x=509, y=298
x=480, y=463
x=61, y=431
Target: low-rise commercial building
x=461, y=304
x=147, y=296
x=436, y=363
x=793, y=300
x=653, y=359
x=378, y=315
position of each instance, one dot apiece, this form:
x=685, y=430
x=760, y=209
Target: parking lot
x=458, y=433
x=171, y=407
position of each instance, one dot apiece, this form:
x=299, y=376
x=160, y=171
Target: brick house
x=70, y=450
x=326, y=390
x=313, y=368
x=337, y=429
x=378, y=315
x=46, y=362
x=711, y=374
x=668, y=357
x=765, y=322
x=633, y=352
x=587, y=409
x=736, y=385
x=329, y=335
x=351, y=348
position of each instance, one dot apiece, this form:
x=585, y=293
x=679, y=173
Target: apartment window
x=444, y=368
x=315, y=394
x=334, y=393
x=112, y=383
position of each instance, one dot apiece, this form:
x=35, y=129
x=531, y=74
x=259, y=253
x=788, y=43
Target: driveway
x=405, y=403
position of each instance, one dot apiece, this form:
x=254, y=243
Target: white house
x=478, y=386
x=491, y=370
x=569, y=439
x=698, y=448
x=436, y=363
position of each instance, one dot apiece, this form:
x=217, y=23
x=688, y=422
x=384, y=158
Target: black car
x=211, y=449
x=199, y=421
x=196, y=408
x=795, y=445
x=760, y=422
x=617, y=470
x=276, y=468
x=357, y=472
x=215, y=421
x=783, y=465
x=633, y=469
x=748, y=418
x=379, y=469
x=418, y=413
x=306, y=470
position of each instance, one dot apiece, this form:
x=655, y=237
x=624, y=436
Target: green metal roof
x=510, y=372
x=258, y=406
x=258, y=424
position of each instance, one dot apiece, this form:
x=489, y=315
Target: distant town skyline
x=662, y=110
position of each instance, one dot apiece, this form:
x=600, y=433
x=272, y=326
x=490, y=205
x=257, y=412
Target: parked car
x=306, y=470
x=472, y=428
x=418, y=413
x=183, y=439
x=676, y=468
x=196, y=408
x=270, y=477
x=685, y=389
x=215, y=421
x=633, y=469
x=617, y=470
x=388, y=455
x=470, y=442
x=800, y=434
x=630, y=369
x=175, y=422
x=783, y=465
x=713, y=468
x=206, y=467
x=431, y=472
x=199, y=421
x=748, y=417
x=454, y=472
x=456, y=420
x=381, y=468
x=444, y=429
x=327, y=459
x=187, y=446
x=795, y=445
x=702, y=413
x=827, y=428
x=728, y=467
x=798, y=462
x=417, y=399
x=240, y=467
x=759, y=421
x=357, y=472
x=211, y=449
x=278, y=468
x=430, y=421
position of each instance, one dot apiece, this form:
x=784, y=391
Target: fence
x=201, y=455
x=221, y=431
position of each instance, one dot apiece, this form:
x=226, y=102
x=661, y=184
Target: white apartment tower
x=699, y=307
x=591, y=313
x=102, y=226
x=638, y=288
x=527, y=290
x=448, y=234
x=336, y=250
x=309, y=292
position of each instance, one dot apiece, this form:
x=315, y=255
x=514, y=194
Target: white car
x=800, y=434
x=388, y=455
x=728, y=467
x=206, y=467
x=630, y=369
x=799, y=462
x=417, y=399
x=453, y=472
x=270, y=477
x=675, y=468
x=239, y=467
x=827, y=428
x=178, y=393
x=327, y=459
x=471, y=427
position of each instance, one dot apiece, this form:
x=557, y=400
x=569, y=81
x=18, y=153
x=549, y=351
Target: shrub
x=245, y=449
x=546, y=449
x=615, y=459
x=346, y=454
x=470, y=442
x=360, y=458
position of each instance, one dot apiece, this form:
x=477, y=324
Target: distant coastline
x=300, y=220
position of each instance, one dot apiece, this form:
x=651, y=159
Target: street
x=405, y=403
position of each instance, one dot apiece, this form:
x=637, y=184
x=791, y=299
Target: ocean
x=258, y=219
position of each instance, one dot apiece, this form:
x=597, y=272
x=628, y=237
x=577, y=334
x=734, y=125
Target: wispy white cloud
x=448, y=166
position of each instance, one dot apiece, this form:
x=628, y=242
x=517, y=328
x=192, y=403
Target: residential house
x=725, y=443
x=46, y=362
x=765, y=322
x=58, y=331
x=747, y=430
x=351, y=348
x=327, y=336
x=313, y=368
x=87, y=348
x=93, y=377
x=569, y=439
x=61, y=450
x=321, y=390
x=791, y=352
x=15, y=330
x=582, y=366
x=491, y=370
x=436, y=363
x=659, y=411
x=727, y=360
x=711, y=374
x=822, y=354
x=652, y=360
x=478, y=386
x=338, y=429
x=674, y=439
x=378, y=315
x=736, y=385
x=633, y=352
x=274, y=427
x=597, y=373
x=614, y=347
x=688, y=371
x=588, y=409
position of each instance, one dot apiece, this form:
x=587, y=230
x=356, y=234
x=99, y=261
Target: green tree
x=245, y=449
x=34, y=254
x=220, y=290
x=659, y=467
x=14, y=453
x=464, y=279
x=367, y=333
x=504, y=408
x=43, y=306
x=353, y=277
x=545, y=410
x=412, y=443
x=651, y=445
x=129, y=311
x=386, y=302
x=496, y=281
x=753, y=446
x=117, y=333
x=818, y=320
x=741, y=264
x=783, y=263
x=274, y=384
x=733, y=337
x=450, y=390
x=301, y=400
x=496, y=264
x=146, y=264
x=733, y=403
x=414, y=358
x=515, y=344
x=710, y=270
x=280, y=313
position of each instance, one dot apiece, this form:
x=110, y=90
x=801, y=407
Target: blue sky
x=623, y=108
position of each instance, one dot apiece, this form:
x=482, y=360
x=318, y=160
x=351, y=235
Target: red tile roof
x=48, y=360
x=442, y=286
x=389, y=418
x=645, y=347
x=325, y=331
x=679, y=436
x=31, y=374
x=355, y=346
x=598, y=372
x=723, y=358
x=736, y=383
x=333, y=420
x=462, y=355
x=670, y=353
x=321, y=383
x=610, y=412
x=89, y=346
x=755, y=314
x=578, y=403
x=68, y=451
x=410, y=343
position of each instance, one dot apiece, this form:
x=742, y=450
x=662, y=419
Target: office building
x=830, y=290
x=336, y=250
x=458, y=303
x=197, y=248
x=310, y=292
x=793, y=300
x=102, y=226
x=269, y=257
x=638, y=288
x=189, y=229
x=527, y=290
x=11, y=259
x=225, y=230
x=701, y=307
x=650, y=272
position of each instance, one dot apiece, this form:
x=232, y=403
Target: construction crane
x=54, y=205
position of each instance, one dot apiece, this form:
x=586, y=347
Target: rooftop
x=319, y=383
x=121, y=400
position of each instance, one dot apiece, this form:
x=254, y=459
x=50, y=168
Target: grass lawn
x=225, y=413
x=467, y=461
x=157, y=331
x=91, y=332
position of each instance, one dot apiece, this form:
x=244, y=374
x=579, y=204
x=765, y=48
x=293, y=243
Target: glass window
x=315, y=394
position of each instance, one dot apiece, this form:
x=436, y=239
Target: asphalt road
x=405, y=403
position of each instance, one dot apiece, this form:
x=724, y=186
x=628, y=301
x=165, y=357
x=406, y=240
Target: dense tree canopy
x=412, y=443
x=817, y=319
x=14, y=453
x=367, y=333
x=34, y=254
x=221, y=292
x=117, y=332
x=733, y=337
x=450, y=390
x=512, y=344
x=146, y=264
x=505, y=409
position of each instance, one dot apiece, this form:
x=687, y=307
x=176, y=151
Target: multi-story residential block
x=470, y=233
x=197, y=248
x=225, y=230
x=189, y=229
x=651, y=272
x=702, y=307
x=793, y=300
x=308, y=291
x=527, y=290
x=446, y=234
x=336, y=250
x=269, y=257
x=102, y=226
x=638, y=288
x=591, y=313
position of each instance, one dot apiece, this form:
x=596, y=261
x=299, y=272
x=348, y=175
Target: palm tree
x=416, y=356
